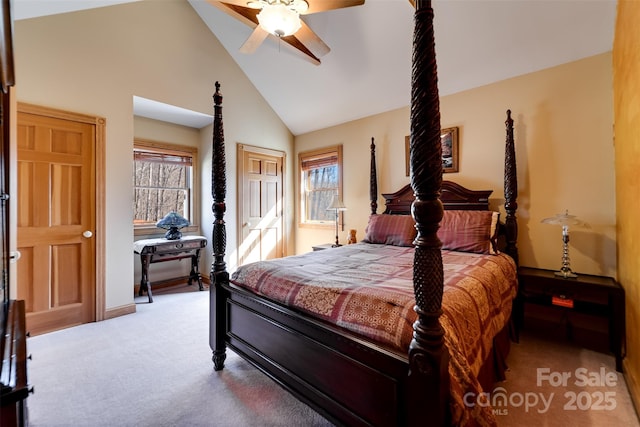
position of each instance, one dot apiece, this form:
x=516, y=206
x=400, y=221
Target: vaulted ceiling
x=368, y=69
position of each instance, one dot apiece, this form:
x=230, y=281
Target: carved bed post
x=510, y=192
x=219, y=274
x=373, y=180
x=428, y=357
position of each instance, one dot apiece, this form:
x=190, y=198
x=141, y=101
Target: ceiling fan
x=281, y=19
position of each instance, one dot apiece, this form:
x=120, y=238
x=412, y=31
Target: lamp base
x=173, y=234
x=566, y=273
x=336, y=245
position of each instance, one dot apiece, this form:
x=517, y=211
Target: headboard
x=452, y=196
x=455, y=196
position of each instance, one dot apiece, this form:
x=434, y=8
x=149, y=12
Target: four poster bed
x=407, y=327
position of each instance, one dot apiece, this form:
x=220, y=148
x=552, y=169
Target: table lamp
x=565, y=220
x=337, y=205
x=173, y=222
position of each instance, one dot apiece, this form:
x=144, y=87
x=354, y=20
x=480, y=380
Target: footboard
x=345, y=378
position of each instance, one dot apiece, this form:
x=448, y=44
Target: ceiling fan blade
x=242, y=3
x=241, y=13
x=300, y=49
x=255, y=39
x=307, y=37
x=324, y=5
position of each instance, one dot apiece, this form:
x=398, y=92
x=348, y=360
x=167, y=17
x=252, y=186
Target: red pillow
x=469, y=231
x=397, y=230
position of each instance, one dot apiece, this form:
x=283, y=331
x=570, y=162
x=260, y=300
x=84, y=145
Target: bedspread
x=368, y=289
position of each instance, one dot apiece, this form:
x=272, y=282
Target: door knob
x=14, y=256
x=87, y=234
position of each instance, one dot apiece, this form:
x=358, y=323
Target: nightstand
x=587, y=310
x=322, y=247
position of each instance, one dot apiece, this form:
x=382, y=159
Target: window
x=320, y=181
x=163, y=181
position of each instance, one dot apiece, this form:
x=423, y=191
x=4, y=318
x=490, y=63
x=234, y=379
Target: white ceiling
x=368, y=70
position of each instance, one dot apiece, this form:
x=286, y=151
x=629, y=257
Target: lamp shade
x=337, y=204
x=172, y=219
x=173, y=222
x=564, y=219
x=279, y=20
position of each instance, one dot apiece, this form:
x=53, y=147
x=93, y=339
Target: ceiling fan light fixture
x=279, y=19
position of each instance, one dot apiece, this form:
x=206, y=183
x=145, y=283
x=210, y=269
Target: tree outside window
x=163, y=182
x=320, y=181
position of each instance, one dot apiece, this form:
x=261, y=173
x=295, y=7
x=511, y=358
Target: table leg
x=145, y=285
x=195, y=274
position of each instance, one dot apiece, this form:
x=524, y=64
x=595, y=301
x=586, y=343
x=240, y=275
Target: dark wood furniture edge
x=373, y=179
x=14, y=387
x=7, y=71
x=219, y=276
x=428, y=381
x=511, y=192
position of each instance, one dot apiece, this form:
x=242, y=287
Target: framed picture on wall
x=449, y=141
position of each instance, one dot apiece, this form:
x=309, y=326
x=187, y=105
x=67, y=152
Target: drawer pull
x=562, y=301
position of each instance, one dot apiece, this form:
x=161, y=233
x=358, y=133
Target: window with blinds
x=163, y=182
x=320, y=181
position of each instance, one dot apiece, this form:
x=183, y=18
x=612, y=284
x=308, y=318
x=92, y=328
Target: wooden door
x=260, y=202
x=56, y=221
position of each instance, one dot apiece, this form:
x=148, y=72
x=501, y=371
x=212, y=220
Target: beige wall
x=626, y=79
x=95, y=61
x=563, y=131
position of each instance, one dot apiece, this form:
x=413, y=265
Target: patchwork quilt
x=368, y=289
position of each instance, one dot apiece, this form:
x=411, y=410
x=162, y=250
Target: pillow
x=469, y=231
x=397, y=230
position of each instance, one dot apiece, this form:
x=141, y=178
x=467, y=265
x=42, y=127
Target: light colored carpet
x=153, y=368
x=580, y=387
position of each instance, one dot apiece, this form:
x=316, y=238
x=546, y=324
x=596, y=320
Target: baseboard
x=633, y=384
x=110, y=313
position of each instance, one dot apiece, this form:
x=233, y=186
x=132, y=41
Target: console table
x=160, y=250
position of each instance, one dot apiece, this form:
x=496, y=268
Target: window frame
x=194, y=189
x=318, y=154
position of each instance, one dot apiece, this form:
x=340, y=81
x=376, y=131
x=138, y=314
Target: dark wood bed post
x=219, y=274
x=510, y=192
x=428, y=357
x=373, y=180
